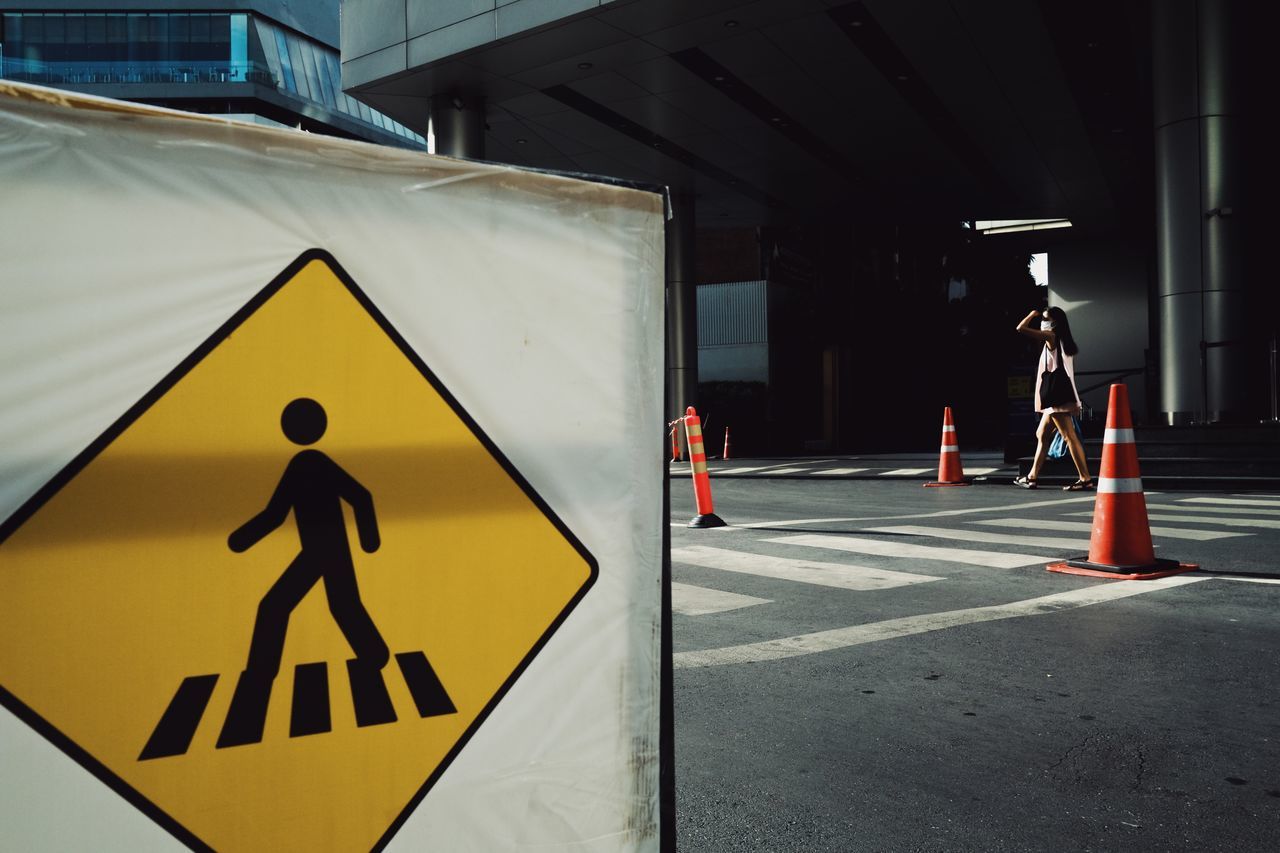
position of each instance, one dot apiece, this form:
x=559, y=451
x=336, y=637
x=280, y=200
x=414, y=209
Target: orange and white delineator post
x=1120, y=546
x=725, y=453
x=950, y=470
x=706, y=516
x=675, y=442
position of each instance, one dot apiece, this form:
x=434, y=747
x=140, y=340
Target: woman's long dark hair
x=1062, y=329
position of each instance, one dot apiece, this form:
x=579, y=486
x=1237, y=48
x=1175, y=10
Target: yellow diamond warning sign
x=275, y=599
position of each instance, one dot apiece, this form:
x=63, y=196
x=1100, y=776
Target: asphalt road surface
x=875, y=666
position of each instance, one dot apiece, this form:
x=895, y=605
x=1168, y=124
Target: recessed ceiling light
x=521, y=141
x=730, y=24
x=585, y=65
x=719, y=78
x=775, y=119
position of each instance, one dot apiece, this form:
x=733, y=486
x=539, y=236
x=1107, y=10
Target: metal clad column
x=682, y=308
x=1197, y=147
x=1223, y=168
x=457, y=123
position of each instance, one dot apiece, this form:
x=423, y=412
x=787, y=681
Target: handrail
x=1111, y=378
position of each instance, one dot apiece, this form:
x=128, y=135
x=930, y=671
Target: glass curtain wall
x=71, y=49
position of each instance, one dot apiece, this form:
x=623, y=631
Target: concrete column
x=682, y=308
x=1199, y=153
x=458, y=125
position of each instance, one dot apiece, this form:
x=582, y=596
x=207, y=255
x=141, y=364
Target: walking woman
x=1056, y=396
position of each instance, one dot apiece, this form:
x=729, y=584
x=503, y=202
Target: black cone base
x=708, y=520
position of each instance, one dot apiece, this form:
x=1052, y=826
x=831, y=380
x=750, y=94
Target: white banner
x=330, y=495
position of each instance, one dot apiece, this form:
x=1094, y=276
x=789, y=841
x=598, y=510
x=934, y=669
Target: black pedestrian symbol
x=312, y=488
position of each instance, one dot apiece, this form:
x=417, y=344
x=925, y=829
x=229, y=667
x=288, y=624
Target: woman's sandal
x=1025, y=482
x=1080, y=486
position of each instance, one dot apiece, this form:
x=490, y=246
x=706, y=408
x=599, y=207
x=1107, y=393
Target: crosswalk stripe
x=692, y=600
x=369, y=693
x=839, y=638
x=1052, y=524
x=1240, y=511
x=310, y=712
x=978, y=472
x=857, y=545
x=984, y=536
x=429, y=695
x=946, y=513
x=805, y=571
x=906, y=472
x=1266, y=523
x=173, y=734
x=247, y=714
x=746, y=470
x=1275, y=499
x=785, y=470
x=1231, y=501
x=830, y=472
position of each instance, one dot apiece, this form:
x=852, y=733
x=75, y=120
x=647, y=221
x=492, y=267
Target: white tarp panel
x=133, y=244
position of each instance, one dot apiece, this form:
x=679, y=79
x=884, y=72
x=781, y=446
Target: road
x=869, y=665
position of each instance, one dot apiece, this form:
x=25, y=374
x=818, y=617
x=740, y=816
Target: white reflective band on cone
x=1118, y=436
x=950, y=448
x=1117, y=486
x=948, y=428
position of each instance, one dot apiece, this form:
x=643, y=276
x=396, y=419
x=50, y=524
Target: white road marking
x=698, y=601
x=946, y=513
x=736, y=470
x=833, y=471
x=906, y=472
x=1231, y=501
x=1265, y=523
x=804, y=571
x=1052, y=524
x=854, y=635
x=1246, y=580
x=978, y=472
x=985, y=536
x=991, y=559
x=785, y=470
x=1238, y=511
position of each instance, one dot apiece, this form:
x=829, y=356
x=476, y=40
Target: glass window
x=162, y=49
x=286, y=64
x=117, y=38
x=309, y=68
x=270, y=54
x=75, y=51
x=299, y=70
x=95, y=33
x=180, y=33
x=239, y=47
x=54, y=39
x=326, y=83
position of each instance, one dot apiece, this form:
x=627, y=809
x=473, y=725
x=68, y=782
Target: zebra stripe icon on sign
x=310, y=710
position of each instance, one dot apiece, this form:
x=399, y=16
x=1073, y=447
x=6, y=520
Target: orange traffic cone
x=1120, y=546
x=706, y=516
x=675, y=443
x=950, y=471
x=725, y=454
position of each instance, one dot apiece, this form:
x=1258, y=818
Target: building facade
x=266, y=61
